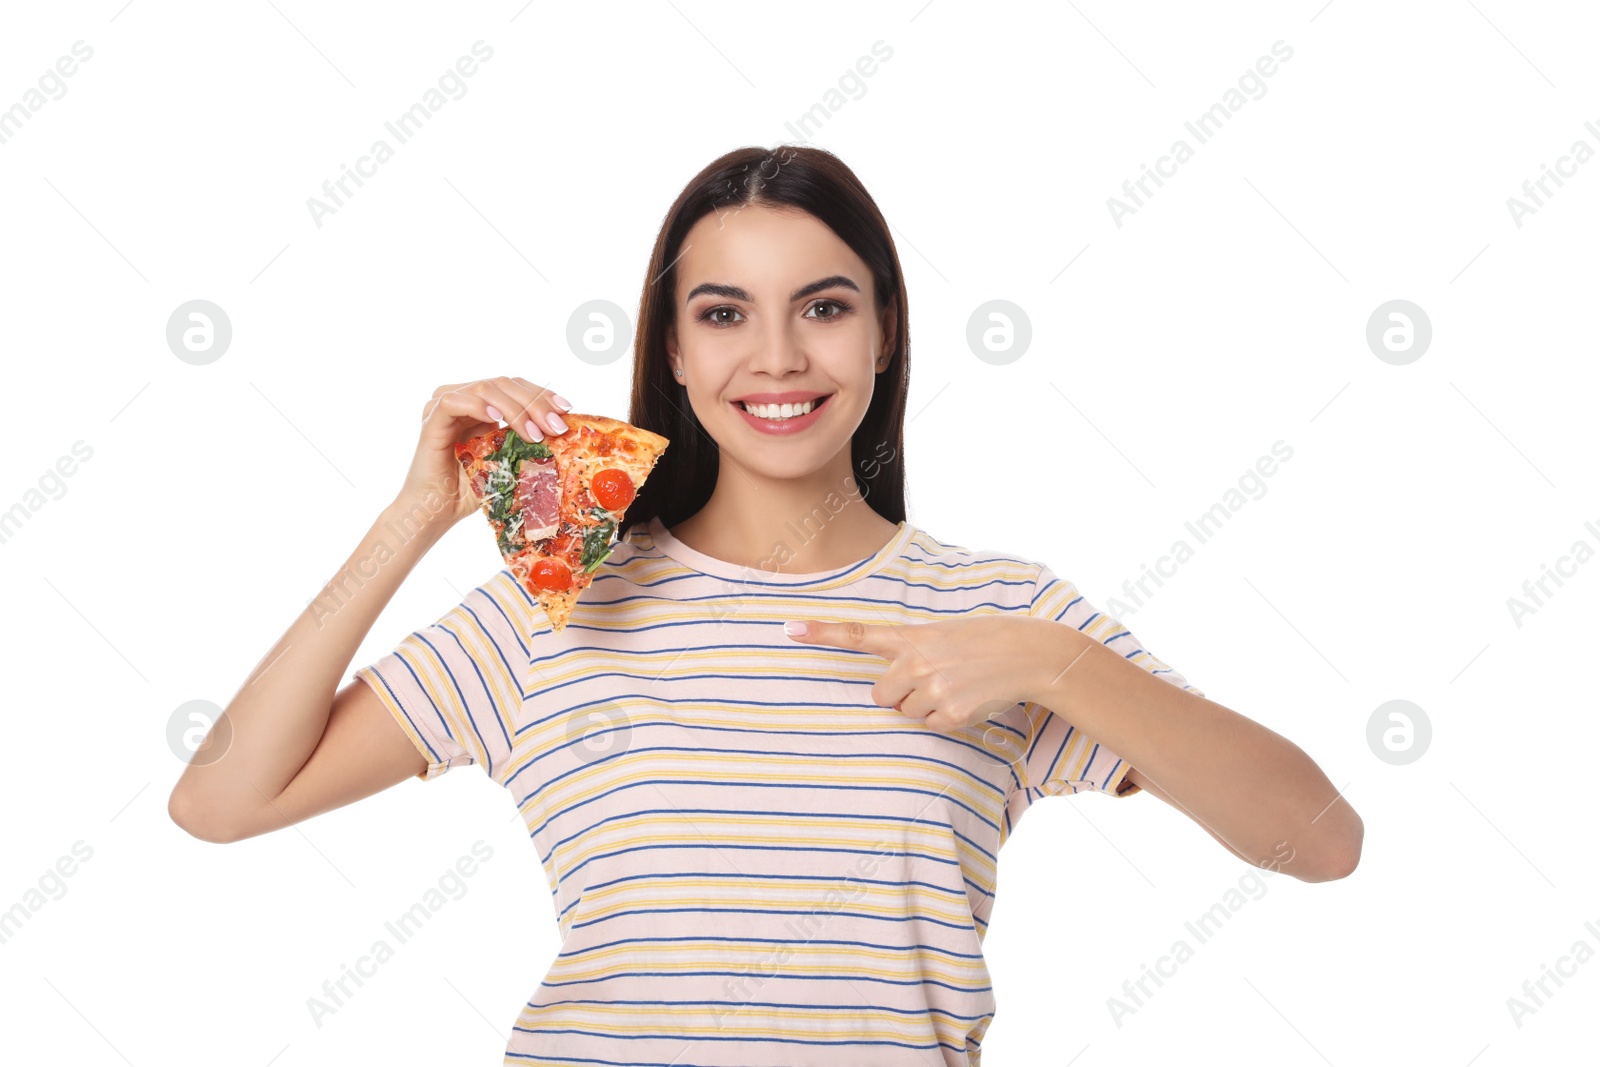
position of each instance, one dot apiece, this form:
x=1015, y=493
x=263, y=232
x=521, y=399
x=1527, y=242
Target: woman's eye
x=710, y=315
x=840, y=306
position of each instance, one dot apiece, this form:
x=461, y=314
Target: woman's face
x=771, y=301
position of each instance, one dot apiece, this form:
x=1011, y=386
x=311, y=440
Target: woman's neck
x=797, y=525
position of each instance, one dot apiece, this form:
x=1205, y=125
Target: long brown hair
x=819, y=183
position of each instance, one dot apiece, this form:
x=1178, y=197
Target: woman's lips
x=783, y=426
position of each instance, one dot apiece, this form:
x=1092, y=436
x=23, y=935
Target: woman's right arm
x=288, y=746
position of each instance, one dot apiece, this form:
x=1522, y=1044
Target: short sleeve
x=456, y=686
x=1057, y=756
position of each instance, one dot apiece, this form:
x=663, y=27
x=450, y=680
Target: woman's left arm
x=1256, y=791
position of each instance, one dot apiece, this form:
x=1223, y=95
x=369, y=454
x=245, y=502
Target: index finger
x=868, y=637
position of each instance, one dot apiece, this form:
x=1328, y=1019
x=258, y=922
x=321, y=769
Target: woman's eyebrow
x=733, y=292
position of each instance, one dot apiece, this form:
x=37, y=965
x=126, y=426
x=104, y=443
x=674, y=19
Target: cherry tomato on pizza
x=612, y=488
x=552, y=574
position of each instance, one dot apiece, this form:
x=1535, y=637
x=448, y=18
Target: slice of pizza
x=556, y=504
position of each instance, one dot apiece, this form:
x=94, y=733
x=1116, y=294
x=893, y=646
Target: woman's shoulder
x=922, y=546
x=994, y=575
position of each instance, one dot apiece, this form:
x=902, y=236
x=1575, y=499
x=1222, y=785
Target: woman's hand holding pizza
x=457, y=412
x=953, y=673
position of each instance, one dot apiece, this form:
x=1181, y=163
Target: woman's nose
x=780, y=349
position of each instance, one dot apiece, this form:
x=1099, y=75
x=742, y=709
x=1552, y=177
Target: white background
x=1226, y=314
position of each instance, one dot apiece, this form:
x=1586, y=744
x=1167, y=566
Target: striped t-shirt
x=751, y=862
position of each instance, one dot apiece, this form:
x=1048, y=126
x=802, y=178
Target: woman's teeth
x=780, y=411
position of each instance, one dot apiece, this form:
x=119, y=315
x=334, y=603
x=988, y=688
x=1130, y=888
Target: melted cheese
x=514, y=526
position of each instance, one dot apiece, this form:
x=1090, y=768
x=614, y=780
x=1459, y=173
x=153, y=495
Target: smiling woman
x=762, y=849
x=731, y=332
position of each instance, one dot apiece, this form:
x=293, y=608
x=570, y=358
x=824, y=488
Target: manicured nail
x=560, y=401
x=533, y=431
x=556, y=424
x=495, y=415
x=794, y=629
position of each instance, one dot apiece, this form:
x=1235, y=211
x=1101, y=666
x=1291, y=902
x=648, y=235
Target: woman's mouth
x=782, y=418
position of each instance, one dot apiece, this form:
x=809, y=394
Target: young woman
x=763, y=846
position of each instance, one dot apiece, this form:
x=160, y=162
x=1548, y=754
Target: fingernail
x=560, y=401
x=495, y=415
x=533, y=431
x=794, y=629
x=556, y=424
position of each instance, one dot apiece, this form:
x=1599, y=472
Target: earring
x=678, y=372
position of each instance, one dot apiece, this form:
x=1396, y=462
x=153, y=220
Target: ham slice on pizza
x=555, y=505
